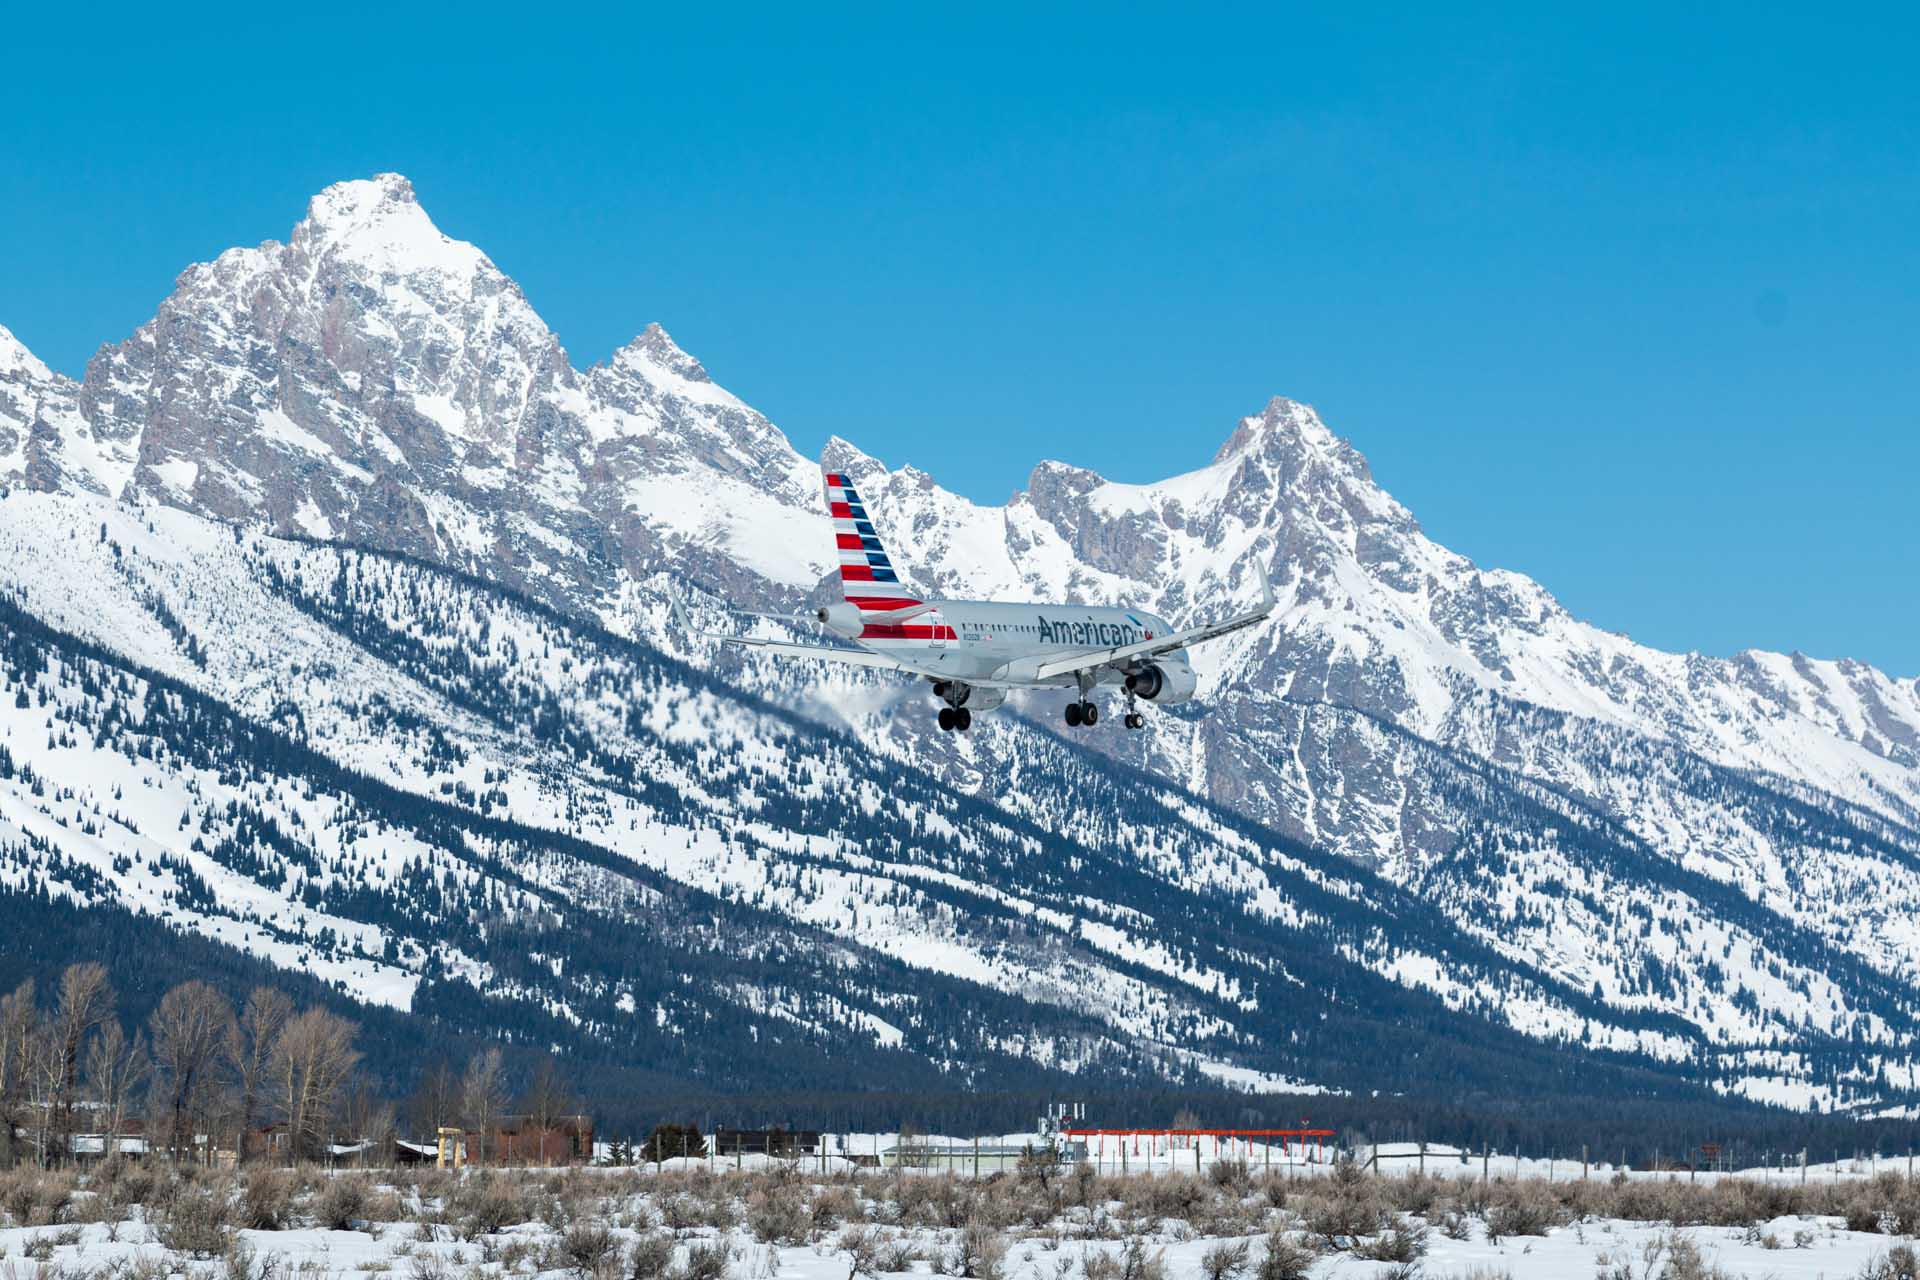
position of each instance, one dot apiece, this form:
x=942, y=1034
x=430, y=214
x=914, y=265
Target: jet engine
x=842, y=619
x=958, y=693
x=1164, y=682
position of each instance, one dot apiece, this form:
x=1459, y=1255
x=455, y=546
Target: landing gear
x=1083, y=711
x=956, y=718
x=1133, y=719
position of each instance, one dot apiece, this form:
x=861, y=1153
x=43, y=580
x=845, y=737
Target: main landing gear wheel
x=1073, y=715
x=946, y=718
x=963, y=719
x=1079, y=713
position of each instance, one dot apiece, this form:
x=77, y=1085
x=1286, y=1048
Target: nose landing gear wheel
x=1135, y=720
x=963, y=719
x=946, y=717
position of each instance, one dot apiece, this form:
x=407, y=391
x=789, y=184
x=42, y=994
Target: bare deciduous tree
x=312, y=1059
x=249, y=1052
x=86, y=1000
x=116, y=1068
x=436, y=1101
x=18, y=1031
x=190, y=1028
x=483, y=1095
x=547, y=1100
x=369, y=1119
x=546, y=1104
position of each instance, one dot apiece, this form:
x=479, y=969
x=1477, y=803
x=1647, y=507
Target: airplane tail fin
x=867, y=577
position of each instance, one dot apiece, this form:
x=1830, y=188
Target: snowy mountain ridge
x=1694, y=861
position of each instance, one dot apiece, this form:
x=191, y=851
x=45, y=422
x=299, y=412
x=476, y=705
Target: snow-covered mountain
x=351, y=492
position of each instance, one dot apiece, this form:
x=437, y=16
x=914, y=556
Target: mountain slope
x=1423, y=781
x=458, y=802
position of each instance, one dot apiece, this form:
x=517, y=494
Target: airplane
x=975, y=651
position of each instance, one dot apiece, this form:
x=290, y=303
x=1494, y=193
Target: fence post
x=1483, y=1162
x=1583, y=1162
x=976, y=1157
x=1423, y=1157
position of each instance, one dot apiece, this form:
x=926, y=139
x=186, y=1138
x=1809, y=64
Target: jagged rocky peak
x=1050, y=478
x=18, y=362
x=850, y=459
x=656, y=347
x=359, y=201
x=1283, y=423
x=379, y=221
x=20, y=372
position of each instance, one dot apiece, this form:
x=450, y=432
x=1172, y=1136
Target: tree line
x=199, y=1074
x=202, y=1075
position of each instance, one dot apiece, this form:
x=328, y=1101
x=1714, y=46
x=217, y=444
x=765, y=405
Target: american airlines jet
x=974, y=651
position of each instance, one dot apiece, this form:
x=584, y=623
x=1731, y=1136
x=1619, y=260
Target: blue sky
x=1628, y=301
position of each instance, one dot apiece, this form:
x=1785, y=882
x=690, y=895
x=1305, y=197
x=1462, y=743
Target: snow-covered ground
x=1817, y=1248
x=848, y=1152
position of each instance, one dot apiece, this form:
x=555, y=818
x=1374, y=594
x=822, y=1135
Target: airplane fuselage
x=985, y=640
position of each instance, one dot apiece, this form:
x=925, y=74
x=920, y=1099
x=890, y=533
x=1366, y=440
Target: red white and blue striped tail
x=867, y=577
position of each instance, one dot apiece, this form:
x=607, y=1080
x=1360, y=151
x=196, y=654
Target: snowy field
x=1114, y=1156
x=793, y=1223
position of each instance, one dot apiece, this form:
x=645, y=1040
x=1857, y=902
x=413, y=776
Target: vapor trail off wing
x=1163, y=644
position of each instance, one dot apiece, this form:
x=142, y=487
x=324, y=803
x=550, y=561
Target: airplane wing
x=821, y=653
x=787, y=649
x=1163, y=644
